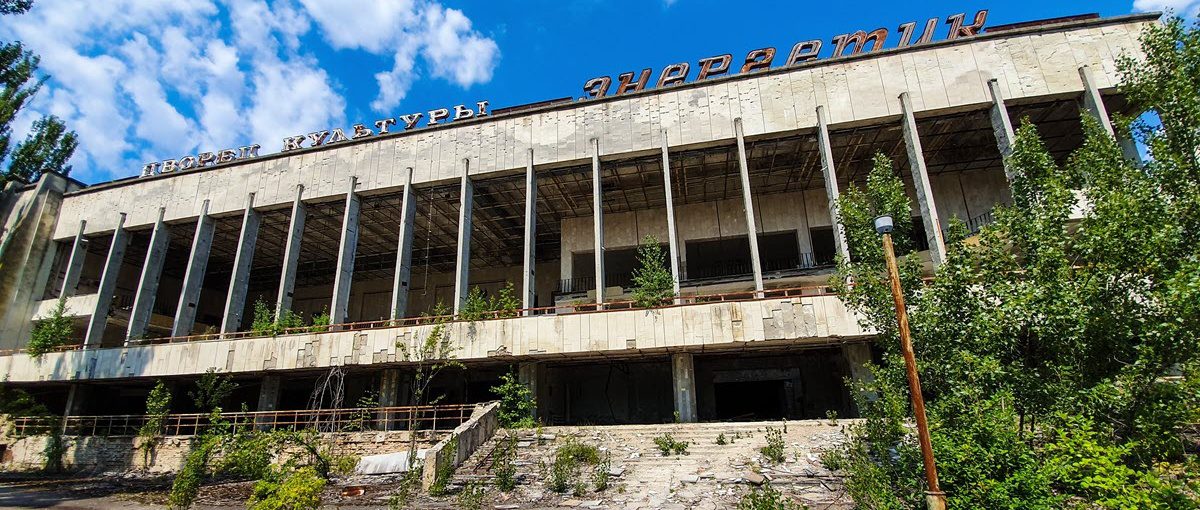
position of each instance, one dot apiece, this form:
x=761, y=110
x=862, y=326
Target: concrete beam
x=672, y=237
x=748, y=204
x=404, y=245
x=147, y=290
x=74, y=263
x=108, y=285
x=598, y=221
x=528, y=278
x=239, y=281
x=291, y=254
x=193, y=278
x=462, y=265
x=339, y=309
x=1001, y=125
x=916, y=162
x=1093, y=102
x=829, y=172
x=683, y=382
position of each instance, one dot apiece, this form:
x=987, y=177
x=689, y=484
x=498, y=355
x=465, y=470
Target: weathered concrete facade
x=736, y=176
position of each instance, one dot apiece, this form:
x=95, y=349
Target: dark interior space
x=749, y=400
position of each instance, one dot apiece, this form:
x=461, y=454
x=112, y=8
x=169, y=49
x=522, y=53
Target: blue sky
x=144, y=80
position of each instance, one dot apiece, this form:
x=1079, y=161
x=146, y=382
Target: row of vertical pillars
x=235, y=300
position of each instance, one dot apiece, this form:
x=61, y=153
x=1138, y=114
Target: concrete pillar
x=74, y=263
x=598, y=221
x=748, y=204
x=916, y=163
x=76, y=398
x=683, y=381
x=1001, y=125
x=858, y=355
x=673, y=241
x=462, y=267
x=108, y=285
x=339, y=310
x=24, y=249
x=829, y=172
x=291, y=253
x=532, y=374
x=147, y=290
x=1093, y=102
x=389, y=393
x=528, y=278
x=401, y=279
x=193, y=277
x=239, y=281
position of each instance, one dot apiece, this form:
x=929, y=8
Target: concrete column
x=858, y=355
x=528, y=278
x=108, y=285
x=239, y=281
x=339, y=310
x=1093, y=102
x=916, y=162
x=683, y=379
x=291, y=253
x=532, y=374
x=748, y=204
x=193, y=277
x=598, y=221
x=147, y=290
x=829, y=172
x=389, y=388
x=75, y=263
x=76, y=397
x=462, y=267
x=673, y=241
x=1001, y=125
x=403, y=275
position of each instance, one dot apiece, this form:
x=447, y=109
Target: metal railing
x=566, y=308
x=440, y=418
x=588, y=283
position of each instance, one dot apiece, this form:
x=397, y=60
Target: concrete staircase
x=710, y=476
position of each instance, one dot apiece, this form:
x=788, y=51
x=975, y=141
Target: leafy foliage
x=767, y=498
x=158, y=406
x=773, y=451
x=517, y=403
x=50, y=144
x=471, y=496
x=569, y=458
x=428, y=358
x=290, y=489
x=667, y=444
x=51, y=332
x=653, y=284
x=480, y=306
x=504, y=466
x=211, y=390
x=266, y=322
x=1060, y=358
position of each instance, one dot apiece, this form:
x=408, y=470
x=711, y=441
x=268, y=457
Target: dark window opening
x=730, y=256
x=822, y=245
x=619, y=264
x=750, y=401
x=920, y=241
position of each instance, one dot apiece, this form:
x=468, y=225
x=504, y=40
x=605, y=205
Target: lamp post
x=935, y=499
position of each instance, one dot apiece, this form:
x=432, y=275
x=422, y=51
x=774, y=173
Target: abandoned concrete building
x=735, y=175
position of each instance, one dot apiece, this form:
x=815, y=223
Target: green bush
x=320, y=321
x=667, y=444
x=600, y=473
x=158, y=406
x=504, y=466
x=568, y=459
x=211, y=390
x=471, y=496
x=653, y=283
x=51, y=332
x=479, y=306
x=288, y=489
x=767, y=498
x=773, y=451
x=517, y=403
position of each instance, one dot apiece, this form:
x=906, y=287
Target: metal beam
x=193, y=278
x=147, y=290
x=673, y=241
x=528, y=276
x=462, y=266
x=339, y=309
x=291, y=254
x=829, y=172
x=598, y=221
x=108, y=285
x=403, y=275
x=748, y=205
x=239, y=281
x=75, y=263
x=916, y=162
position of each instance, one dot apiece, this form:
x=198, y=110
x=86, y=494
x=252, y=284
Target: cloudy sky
x=145, y=80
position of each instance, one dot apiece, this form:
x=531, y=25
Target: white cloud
x=141, y=80
x=1178, y=7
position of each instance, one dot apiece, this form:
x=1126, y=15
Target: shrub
x=291, y=489
x=600, y=474
x=51, y=332
x=767, y=498
x=320, y=321
x=409, y=482
x=721, y=439
x=773, y=451
x=564, y=472
x=653, y=283
x=517, y=403
x=264, y=319
x=667, y=445
x=211, y=390
x=471, y=496
x=504, y=467
x=158, y=405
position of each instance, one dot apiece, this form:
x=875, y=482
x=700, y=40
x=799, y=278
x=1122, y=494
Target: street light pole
x=935, y=499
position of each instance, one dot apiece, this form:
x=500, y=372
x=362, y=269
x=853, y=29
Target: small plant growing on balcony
x=480, y=306
x=51, y=331
x=320, y=321
x=653, y=284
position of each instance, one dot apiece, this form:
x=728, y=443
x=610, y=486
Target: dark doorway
x=750, y=401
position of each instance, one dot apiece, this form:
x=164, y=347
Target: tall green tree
x=1060, y=356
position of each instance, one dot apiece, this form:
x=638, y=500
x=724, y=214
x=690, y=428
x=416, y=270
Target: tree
x=653, y=283
x=211, y=390
x=51, y=332
x=517, y=403
x=429, y=357
x=46, y=149
x=15, y=6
